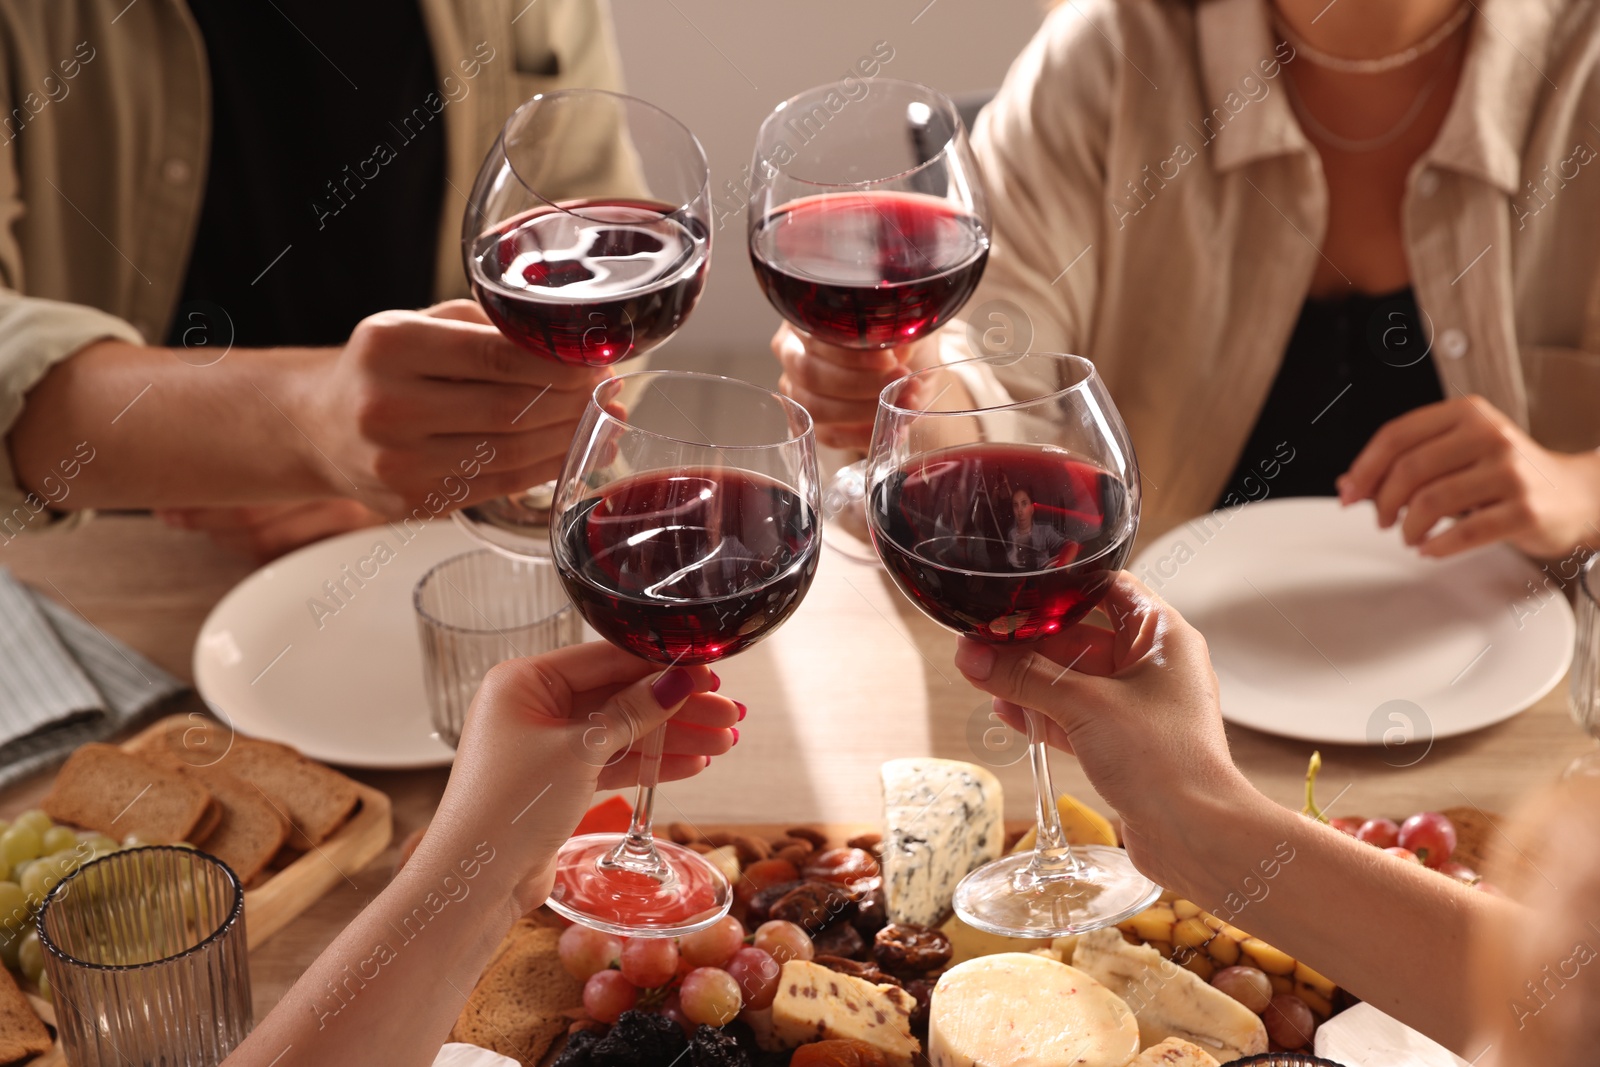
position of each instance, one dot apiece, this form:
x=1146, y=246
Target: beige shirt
x=104, y=138
x=1158, y=209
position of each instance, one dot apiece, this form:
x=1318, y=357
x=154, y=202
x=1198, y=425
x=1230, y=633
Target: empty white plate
x=319, y=649
x=1324, y=627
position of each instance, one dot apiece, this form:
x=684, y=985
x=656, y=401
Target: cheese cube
x=815, y=1004
x=943, y=818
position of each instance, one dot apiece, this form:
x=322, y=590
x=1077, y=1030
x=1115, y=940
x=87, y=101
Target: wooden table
x=857, y=676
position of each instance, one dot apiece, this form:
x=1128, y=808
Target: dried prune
x=812, y=906
x=904, y=949
x=840, y=939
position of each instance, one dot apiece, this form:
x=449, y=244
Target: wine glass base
x=633, y=905
x=1106, y=891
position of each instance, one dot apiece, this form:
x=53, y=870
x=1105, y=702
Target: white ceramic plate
x=319, y=649
x=1326, y=628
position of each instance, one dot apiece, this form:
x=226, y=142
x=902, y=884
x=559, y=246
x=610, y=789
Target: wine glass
x=868, y=229
x=685, y=531
x=1583, y=692
x=586, y=241
x=1008, y=522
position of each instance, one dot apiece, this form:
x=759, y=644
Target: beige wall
x=720, y=66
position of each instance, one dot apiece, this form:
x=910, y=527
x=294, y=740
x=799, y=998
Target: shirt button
x=176, y=171
x=1453, y=343
x=1427, y=183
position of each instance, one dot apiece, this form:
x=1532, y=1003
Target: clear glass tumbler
x=146, y=957
x=1583, y=693
x=480, y=609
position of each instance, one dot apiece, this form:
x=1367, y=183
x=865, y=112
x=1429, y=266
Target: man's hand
x=1464, y=459
x=839, y=387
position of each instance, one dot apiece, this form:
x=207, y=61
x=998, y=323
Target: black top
x=327, y=141
x=1352, y=365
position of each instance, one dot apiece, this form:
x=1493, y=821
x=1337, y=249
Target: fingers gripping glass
x=1008, y=523
x=586, y=241
x=868, y=229
x=685, y=530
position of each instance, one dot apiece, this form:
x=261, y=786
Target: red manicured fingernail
x=735, y=734
x=743, y=711
x=707, y=762
x=673, y=687
x=716, y=682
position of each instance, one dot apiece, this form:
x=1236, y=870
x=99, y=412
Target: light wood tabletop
x=856, y=677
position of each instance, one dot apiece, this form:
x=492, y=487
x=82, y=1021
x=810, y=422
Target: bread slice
x=250, y=831
x=22, y=1034
x=1174, y=1052
x=519, y=1006
x=103, y=788
x=316, y=800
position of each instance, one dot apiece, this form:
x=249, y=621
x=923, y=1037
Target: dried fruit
x=841, y=939
x=763, y=874
x=922, y=989
x=863, y=969
x=845, y=1052
x=904, y=949
x=812, y=905
x=871, y=914
x=759, y=908
x=852, y=868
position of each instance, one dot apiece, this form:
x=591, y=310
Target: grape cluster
x=1426, y=838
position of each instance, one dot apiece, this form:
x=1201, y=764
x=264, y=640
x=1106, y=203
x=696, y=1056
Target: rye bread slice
x=518, y=1008
x=316, y=800
x=250, y=831
x=103, y=788
x=22, y=1033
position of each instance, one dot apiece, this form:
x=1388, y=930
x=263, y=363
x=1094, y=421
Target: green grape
x=40, y=878
x=35, y=820
x=44, y=988
x=20, y=843
x=13, y=907
x=58, y=839
x=30, y=956
x=102, y=844
x=183, y=844
x=134, y=841
x=67, y=860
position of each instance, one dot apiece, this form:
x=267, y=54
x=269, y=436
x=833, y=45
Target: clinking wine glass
x=685, y=531
x=586, y=241
x=1007, y=522
x=868, y=229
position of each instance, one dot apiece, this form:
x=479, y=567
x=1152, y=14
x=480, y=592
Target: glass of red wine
x=1003, y=498
x=586, y=241
x=685, y=530
x=868, y=230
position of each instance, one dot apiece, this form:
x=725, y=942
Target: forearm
x=389, y=989
x=1393, y=933
x=165, y=433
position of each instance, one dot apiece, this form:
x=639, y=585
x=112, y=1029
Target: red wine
x=1002, y=542
x=869, y=270
x=690, y=565
x=594, y=288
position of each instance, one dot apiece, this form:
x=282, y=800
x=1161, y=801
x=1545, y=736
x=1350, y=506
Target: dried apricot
x=844, y=1052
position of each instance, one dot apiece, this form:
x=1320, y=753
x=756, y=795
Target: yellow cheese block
x=816, y=1004
x=1081, y=823
x=1023, y=1010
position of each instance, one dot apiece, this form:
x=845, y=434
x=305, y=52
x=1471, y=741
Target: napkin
x=1363, y=1036
x=63, y=682
x=455, y=1054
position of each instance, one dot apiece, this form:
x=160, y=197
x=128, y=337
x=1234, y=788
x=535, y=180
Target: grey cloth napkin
x=63, y=682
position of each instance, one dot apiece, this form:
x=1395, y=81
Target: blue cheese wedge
x=816, y=1004
x=943, y=818
x=1022, y=1010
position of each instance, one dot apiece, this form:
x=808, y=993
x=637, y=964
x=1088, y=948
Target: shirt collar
x=1483, y=134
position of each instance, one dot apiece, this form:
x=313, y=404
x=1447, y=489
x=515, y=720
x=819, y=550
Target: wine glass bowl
x=586, y=241
x=1007, y=521
x=1583, y=692
x=684, y=530
x=868, y=224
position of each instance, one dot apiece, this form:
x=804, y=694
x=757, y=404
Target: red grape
x=1290, y=1023
x=672, y=1008
x=784, y=941
x=584, y=951
x=715, y=945
x=1385, y=833
x=1490, y=888
x=1247, y=985
x=1348, y=824
x=649, y=961
x=757, y=974
x=1430, y=835
x=710, y=996
x=607, y=994
x=1459, y=871
x=1405, y=854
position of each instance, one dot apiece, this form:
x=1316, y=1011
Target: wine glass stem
x=636, y=852
x=1052, y=858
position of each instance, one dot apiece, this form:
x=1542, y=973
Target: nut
x=702, y=847
x=720, y=837
x=784, y=842
x=808, y=833
x=795, y=854
x=866, y=842
x=682, y=833
x=750, y=848
x=905, y=949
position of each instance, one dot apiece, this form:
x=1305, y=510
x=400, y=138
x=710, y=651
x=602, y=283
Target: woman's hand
x=1137, y=704
x=437, y=407
x=839, y=387
x=544, y=733
x=1464, y=459
x=267, y=531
